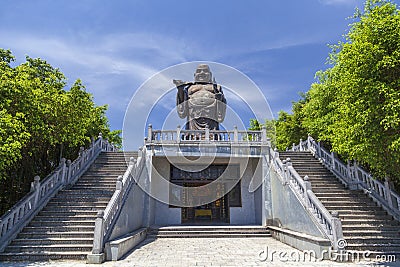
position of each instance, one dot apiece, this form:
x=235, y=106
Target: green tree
x=40, y=122
x=355, y=105
x=289, y=127
x=269, y=125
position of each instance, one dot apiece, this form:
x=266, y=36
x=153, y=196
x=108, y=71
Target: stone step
x=52, y=241
x=45, y=248
x=369, y=222
x=344, y=198
x=353, y=203
x=208, y=235
x=210, y=232
x=105, y=173
x=69, y=213
x=53, y=229
x=371, y=233
x=339, y=207
x=373, y=240
x=339, y=194
x=60, y=223
x=76, y=209
x=82, y=198
x=374, y=247
x=369, y=227
x=329, y=190
x=76, y=191
x=67, y=235
x=327, y=184
x=363, y=216
x=63, y=217
x=67, y=207
x=364, y=213
x=43, y=256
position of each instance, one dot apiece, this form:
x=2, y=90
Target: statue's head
x=203, y=74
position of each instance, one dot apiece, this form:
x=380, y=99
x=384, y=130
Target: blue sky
x=115, y=46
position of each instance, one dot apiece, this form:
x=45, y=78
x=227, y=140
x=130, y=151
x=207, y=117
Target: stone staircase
x=208, y=232
x=366, y=226
x=64, y=229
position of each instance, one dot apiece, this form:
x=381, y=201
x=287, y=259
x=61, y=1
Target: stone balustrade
x=106, y=219
x=41, y=192
x=207, y=142
x=354, y=177
x=329, y=223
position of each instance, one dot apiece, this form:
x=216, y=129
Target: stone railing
x=329, y=223
x=41, y=192
x=354, y=177
x=234, y=141
x=106, y=219
x=201, y=136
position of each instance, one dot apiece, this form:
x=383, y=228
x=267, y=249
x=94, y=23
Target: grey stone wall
x=288, y=211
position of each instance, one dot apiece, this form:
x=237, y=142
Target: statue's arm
x=181, y=98
x=221, y=103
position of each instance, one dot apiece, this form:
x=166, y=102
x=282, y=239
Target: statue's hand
x=178, y=82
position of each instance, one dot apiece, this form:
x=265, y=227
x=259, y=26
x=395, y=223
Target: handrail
x=329, y=223
x=353, y=176
x=12, y=222
x=106, y=219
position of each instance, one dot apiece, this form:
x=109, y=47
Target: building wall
x=245, y=215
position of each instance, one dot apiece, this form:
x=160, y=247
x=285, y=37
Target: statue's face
x=202, y=74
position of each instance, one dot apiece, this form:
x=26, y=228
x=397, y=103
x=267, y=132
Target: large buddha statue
x=201, y=102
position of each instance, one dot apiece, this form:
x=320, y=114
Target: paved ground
x=208, y=252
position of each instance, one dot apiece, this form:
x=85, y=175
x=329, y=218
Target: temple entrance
x=211, y=212
x=215, y=212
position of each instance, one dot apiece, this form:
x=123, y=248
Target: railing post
x=69, y=170
x=97, y=255
x=356, y=174
x=309, y=142
x=140, y=152
x=150, y=133
x=63, y=171
x=35, y=186
x=132, y=161
x=319, y=149
x=337, y=231
x=235, y=134
x=263, y=135
x=349, y=174
x=333, y=160
x=92, y=146
x=284, y=174
x=119, y=183
x=293, y=146
x=81, y=149
x=300, y=145
x=308, y=187
x=388, y=192
x=101, y=140
x=276, y=153
x=287, y=172
x=178, y=133
x=207, y=137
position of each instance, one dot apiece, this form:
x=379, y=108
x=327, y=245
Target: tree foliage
x=270, y=127
x=355, y=105
x=40, y=122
